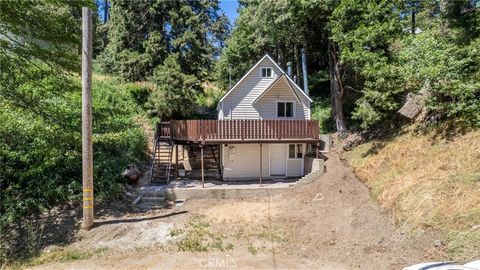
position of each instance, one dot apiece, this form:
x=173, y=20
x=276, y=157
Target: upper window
x=267, y=72
x=285, y=109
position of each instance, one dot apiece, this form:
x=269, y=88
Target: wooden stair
x=161, y=168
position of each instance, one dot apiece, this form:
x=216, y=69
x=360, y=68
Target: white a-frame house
x=274, y=113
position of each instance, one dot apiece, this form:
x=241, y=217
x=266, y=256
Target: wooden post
x=176, y=161
x=261, y=164
x=87, y=148
x=203, y=176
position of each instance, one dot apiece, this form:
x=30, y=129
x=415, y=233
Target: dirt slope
x=331, y=223
x=428, y=179
x=334, y=219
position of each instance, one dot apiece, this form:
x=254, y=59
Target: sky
x=230, y=9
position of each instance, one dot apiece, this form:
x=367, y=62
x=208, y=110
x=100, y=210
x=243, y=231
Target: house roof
x=292, y=84
x=277, y=80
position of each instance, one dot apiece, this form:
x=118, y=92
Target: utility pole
x=87, y=148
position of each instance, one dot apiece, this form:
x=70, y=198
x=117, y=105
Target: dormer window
x=267, y=73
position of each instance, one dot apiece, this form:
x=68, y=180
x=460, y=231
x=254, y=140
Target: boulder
x=132, y=174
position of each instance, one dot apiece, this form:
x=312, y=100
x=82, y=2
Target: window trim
x=285, y=101
x=272, y=74
x=295, y=154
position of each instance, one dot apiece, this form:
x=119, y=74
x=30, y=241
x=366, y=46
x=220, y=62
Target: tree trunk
x=283, y=62
x=335, y=91
x=297, y=64
x=277, y=54
x=413, y=22
x=280, y=55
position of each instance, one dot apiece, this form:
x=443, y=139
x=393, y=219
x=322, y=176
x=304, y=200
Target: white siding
x=266, y=106
x=239, y=103
x=246, y=162
x=294, y=167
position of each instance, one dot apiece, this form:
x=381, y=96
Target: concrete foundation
x=230, y=192
x=314, y=165
x=325, y=142
x=192, y=189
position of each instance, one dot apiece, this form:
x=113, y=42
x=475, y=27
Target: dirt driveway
x=331, y=223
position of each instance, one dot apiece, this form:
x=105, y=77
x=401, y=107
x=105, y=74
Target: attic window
x=267, y=72
x=284, y=109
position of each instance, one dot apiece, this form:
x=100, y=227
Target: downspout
x=304, y=71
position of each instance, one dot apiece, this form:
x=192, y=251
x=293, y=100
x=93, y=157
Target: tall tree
x=280, y=28
x=143, y=33
x=364, y=33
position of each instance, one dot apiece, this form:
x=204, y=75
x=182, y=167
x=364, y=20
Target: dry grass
x=427, y=181
x=57, y=254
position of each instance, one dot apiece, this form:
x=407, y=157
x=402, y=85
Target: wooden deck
x=239, y=131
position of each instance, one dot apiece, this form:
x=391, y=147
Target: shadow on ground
x=61, y=225
x=132, y=220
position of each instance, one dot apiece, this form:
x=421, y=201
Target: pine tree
x=142, y=34
x=175, y=91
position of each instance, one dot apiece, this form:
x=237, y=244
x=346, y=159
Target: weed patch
x=198, y=236
x=55, y=255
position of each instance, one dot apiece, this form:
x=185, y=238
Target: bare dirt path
x=331, y=223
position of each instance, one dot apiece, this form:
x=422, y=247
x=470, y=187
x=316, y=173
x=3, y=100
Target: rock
x=414, y=103
x=351, y=141
x=132, y=174
x=437, y=243
x=169, y=195
x=318, y=197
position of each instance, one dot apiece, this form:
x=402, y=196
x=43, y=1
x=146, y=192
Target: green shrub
x=40, y=145
x=210, y=96
x=449, y=71
x=322, y=111
x=139, y=92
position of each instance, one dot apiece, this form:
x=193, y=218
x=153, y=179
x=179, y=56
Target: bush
x=139, y=92
x=451, y=73
x=40, y=145
x=322, y=111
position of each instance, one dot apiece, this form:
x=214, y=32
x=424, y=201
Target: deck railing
x=224, y=130
x=163, y=130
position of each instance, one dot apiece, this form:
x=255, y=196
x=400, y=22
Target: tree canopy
x=148, y=39
x=377, y=52
x=142, y=34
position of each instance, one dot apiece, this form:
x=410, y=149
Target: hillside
x=331, y=223
x=427, y=181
